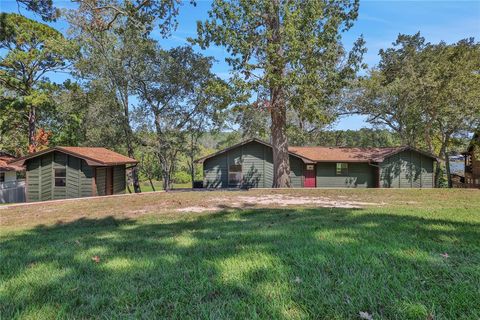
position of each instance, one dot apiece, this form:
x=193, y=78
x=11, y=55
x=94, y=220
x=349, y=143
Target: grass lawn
x=408, y=254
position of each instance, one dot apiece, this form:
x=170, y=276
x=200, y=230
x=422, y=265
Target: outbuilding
x=8, y=172
x=74, y=172
x=250, y=165
x=12, y=185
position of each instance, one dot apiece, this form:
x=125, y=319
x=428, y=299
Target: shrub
x=182, y=177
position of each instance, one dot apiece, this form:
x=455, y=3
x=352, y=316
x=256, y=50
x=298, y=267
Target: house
x=250, y=164
x=472, y=163
x=73, y=172
x=8, y=172
x=12, y=186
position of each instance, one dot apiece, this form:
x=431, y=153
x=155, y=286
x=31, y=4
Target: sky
x=379, y=22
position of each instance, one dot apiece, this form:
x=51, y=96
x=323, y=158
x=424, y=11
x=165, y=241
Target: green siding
x=119, y=179
x=59, y=161
x=360, y=175
x=216, y=172
x=253, y=165
x=296, y=172
x=408, y=169
x=40, y=177
x=101, y=178
x=33, y=179
x=46, y=174
x=268, y=165
x=86, y=179
x=73, y=178
x=427, y=174
x=257, y=167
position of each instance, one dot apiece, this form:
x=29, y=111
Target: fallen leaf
x=96, y=259
x=445, y=255
x=365, y=315
x=430, y=317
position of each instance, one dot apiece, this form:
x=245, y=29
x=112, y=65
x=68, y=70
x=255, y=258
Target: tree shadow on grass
x=278, y=263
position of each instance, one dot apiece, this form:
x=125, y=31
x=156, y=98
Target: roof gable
x=5, y=159
x=94, y=156
x=332, y=154
x=201, y=160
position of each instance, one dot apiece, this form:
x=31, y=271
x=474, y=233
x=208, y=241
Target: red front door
x=309, y=173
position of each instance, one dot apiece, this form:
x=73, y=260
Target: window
x=2, y=176
x=342, y=169
x=235, y=174
x=60, y=177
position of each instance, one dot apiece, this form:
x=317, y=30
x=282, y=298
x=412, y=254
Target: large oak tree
x=288, y=54
x=426, y=93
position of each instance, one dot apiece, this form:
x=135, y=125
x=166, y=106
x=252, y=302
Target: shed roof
x=94, y=156
x=5, y=158
x=334, y=154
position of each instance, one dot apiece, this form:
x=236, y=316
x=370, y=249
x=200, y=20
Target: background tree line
x=291, y=79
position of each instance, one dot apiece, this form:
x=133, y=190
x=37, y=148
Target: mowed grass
x=415, y=256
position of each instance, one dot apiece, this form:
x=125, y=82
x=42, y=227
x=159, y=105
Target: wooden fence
x=11, y=192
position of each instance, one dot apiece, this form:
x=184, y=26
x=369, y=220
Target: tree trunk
x=151, y=183
x=128, y=137
x=447, y=168
x=136, y=183
x=192, y=172
x=166, y=180
x=281, y=163
x=447, y=160
x=438, y=170
x=32, y=122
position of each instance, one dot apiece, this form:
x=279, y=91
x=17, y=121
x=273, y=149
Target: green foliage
x=424, y=92
x=345, y=138
x=285, y=55
x=182, y=177
x=181, y=99
x=427, y=93
x=44, y=8
x=300, y=54
x=100, y=16
x=32, y=50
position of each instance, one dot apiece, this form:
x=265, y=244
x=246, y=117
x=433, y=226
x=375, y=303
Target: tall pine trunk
x=32, y=122
x=129, y=140
x=281, y=164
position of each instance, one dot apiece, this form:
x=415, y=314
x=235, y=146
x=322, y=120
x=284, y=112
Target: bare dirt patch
x=277, y=200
